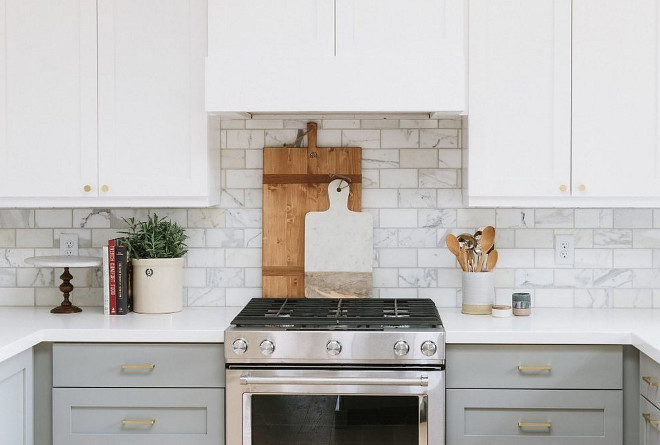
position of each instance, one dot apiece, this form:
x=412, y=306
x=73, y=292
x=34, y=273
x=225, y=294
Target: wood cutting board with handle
x=295, y=182
x=338, y=249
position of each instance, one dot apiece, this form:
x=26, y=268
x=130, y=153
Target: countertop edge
x=23, y=328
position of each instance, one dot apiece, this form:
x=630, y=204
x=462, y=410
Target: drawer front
x=535, y=366
x=138, y=365
x=649, y=382
x=163, y=416
x=504, y=417
x=649, y=429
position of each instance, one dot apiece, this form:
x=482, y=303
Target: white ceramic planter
x=157, y=285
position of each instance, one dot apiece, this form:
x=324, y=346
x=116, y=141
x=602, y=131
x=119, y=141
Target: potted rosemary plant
x=156, y=248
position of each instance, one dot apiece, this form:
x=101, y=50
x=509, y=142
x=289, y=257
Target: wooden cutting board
x=295, y=182
x=338, y=249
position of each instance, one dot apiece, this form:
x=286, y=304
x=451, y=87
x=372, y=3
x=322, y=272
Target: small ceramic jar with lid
x=522, y=303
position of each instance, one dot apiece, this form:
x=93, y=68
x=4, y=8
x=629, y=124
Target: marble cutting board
x=338, y=249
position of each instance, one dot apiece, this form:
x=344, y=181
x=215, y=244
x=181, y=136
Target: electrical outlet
x=69, y=244
x=564, y=249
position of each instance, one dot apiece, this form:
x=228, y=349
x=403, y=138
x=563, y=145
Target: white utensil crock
x=478, y=293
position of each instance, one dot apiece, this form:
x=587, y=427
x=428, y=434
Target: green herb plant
x=154, y=238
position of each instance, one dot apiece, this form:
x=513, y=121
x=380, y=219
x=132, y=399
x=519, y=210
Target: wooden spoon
x=452, y=244
x=454, y=247
x=491, y=261
x=487, y=243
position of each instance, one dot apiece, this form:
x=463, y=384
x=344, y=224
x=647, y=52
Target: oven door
x=268, y=406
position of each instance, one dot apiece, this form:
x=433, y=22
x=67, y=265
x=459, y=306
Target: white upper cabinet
x=47, y=97
x=564, y=103
x=336, y=56
x=152, y=122
x=520, y=100
x=103, y=103
x=616, y=125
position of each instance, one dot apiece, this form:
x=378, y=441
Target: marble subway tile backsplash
x=412, y=176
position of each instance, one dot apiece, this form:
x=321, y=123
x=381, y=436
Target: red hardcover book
x=112, y=263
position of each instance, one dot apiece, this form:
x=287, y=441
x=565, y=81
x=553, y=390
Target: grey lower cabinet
x=534, y=394
x=649, y=401
x=138, y=394
x=16, y=407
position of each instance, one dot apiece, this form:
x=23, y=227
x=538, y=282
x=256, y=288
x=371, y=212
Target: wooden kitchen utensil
x=492, y=260
x=338, y=249
x=295, y=181
x=454, y=247
x=487, y=241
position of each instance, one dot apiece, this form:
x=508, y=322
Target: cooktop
x=333, y=313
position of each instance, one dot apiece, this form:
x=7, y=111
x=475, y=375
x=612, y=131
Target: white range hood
x=347, y=57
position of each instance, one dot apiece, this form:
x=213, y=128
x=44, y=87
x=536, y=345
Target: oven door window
x=335, y=419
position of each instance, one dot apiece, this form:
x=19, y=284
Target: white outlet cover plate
x=564, y=250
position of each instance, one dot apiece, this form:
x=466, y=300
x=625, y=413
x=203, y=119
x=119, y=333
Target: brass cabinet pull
x=104, y=188
x=547, y=368
x=648, y=379
x=647, y=417
x=152, y=366
x=563, y=188
x=138, y=422
x=534, y=425
x=87, y=188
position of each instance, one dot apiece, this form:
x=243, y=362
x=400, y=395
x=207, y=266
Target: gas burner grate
x=370, y=313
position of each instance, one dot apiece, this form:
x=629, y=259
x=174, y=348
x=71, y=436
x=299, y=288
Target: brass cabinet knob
x=582, y=187
x=104, y=188
x=563, y=188
x=87, y=188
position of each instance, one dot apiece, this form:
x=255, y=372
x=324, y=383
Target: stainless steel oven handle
x=247, y=379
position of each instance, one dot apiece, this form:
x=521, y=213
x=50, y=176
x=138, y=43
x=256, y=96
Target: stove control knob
x=239, y=346
x=267, y=347
x=429, y=348
x=333, y=347
x=401, y=348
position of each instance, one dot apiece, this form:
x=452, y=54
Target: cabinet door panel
x=411, y=53
x=616, y=98
x=649, y=433
x=274, y=27
x=16, y=400
x=48, y=96
x=520, y=99
x=516, y=366
x=506, y=417
x=108, y=416
x=152, y=123
x=135, y=365
x=395, y=28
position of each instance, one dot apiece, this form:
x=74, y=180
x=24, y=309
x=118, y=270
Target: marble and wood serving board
x=338, y=249
x=295, y=182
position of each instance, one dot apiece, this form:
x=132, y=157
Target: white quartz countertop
x=22, y=328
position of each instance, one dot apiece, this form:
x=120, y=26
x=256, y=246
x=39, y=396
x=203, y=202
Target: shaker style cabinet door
x=616, y=99
x=47, y=98
x=264, y=55
x=336, y=56
x=16, y=409
x=278, y=28
x=519, y=101
x=408, y=52
x=649, y=422
x=152, y=122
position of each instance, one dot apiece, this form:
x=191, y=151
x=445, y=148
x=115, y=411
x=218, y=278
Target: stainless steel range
x=336, y=371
